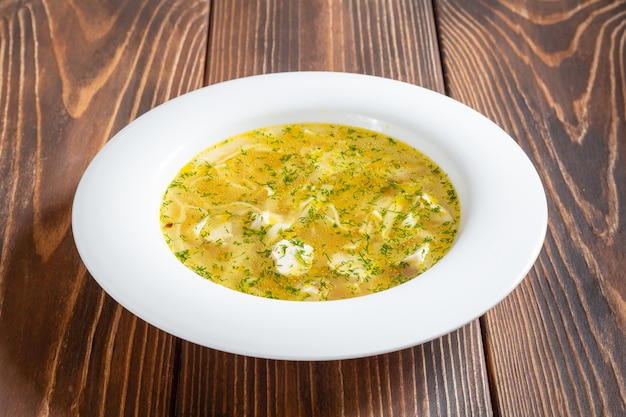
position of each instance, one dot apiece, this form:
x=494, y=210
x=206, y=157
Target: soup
x=310, y=211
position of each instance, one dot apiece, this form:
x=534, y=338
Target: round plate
x=117, y=231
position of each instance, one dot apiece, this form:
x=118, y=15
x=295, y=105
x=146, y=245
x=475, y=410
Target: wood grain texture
x=553, y=75
x=71, y=75
x=441, y=378
x=389, y=39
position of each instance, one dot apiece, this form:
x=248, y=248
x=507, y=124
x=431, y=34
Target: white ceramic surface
x=503, y=218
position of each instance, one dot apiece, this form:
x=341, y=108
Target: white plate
x=117, y=232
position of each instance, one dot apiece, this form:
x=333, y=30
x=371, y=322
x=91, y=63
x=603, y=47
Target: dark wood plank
x=441, y=378
x=552, y=74
x=71, y=75
x=444, y=377
x=394, y=40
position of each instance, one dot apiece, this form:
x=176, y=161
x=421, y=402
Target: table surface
x=551, y=74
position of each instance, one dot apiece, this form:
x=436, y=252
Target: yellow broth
x=310, y=212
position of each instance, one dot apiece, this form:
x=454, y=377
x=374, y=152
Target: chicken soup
x=310, y=211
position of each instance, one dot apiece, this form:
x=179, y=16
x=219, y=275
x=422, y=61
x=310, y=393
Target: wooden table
x=552, y=74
